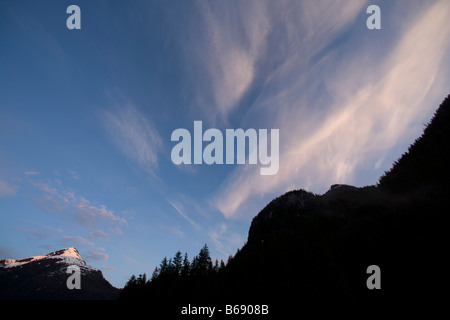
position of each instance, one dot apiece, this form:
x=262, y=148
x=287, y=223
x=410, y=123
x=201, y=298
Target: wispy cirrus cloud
x=98, y=234
x=173, y=229
x=52, y=229
x=77, y=240
x=93, y=255
x=30, y=173
x=37, y=234
x=108, y=267
x=179, y=208
x=134, y=135
x=88, y=212
x=224, y=239
x=6, y=189
x=345, y=108
x=55, y=197
x=247, y=43
x=227, y=47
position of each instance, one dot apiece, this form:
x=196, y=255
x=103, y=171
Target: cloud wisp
x=77, y=207
x=7, y=190
x=224, y=239
x=78, y=240
x=365, y=109
x=135, y=136
x=179, y=208
x=226, y=49
x=37, y=234
x=93, y=255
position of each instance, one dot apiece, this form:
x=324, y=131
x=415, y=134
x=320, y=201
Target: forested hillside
x=306, y=248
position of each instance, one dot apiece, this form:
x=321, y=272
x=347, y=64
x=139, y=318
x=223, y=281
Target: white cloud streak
x=224, y=239
x=93, y=255
x=228, y=47
x=179, y=208
x=73, y=205
x=361, y=111
x=135, y=136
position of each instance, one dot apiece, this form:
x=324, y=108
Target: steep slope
x=319, y=246
x=305, y=249
x=426, y=161
x=45, y=277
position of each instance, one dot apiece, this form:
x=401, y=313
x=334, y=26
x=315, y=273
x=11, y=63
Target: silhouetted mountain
x=304, y=248
x=426, y=163
x=320, y=246
x=45, y=277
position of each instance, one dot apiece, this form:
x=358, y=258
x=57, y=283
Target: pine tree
x=131, y=282
x=155, y=274
x=204, y=260
x=164, y=267
x=170, y=268
x=177, y=263
x=230, y=258
x=186, y=267
x=216, y=266
x=141, y=280
x=195, y=270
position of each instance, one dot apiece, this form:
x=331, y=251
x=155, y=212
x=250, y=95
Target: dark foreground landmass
x=307, y=249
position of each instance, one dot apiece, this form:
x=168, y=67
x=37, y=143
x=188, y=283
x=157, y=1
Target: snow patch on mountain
x=69, y=256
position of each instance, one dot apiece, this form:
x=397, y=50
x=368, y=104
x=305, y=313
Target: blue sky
x=86, y=116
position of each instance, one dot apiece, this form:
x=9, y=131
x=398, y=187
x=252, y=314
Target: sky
x=86, y=115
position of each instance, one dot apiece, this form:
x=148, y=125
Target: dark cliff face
x=280, y=214
x=45, y=278
x=319, y=246
x=421, y=175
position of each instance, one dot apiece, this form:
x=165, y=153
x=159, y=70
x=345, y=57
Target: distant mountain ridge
x=45, y=276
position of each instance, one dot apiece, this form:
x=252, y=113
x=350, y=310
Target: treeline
x=304, y=249
x=178, y=277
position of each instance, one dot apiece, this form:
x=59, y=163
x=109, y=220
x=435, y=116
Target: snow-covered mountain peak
x=68, y=255
x=45, y=277
x=67, y=252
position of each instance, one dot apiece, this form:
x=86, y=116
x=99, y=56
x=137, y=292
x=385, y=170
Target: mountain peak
x=66, y=252
x=45, y=276
x=67, y=255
